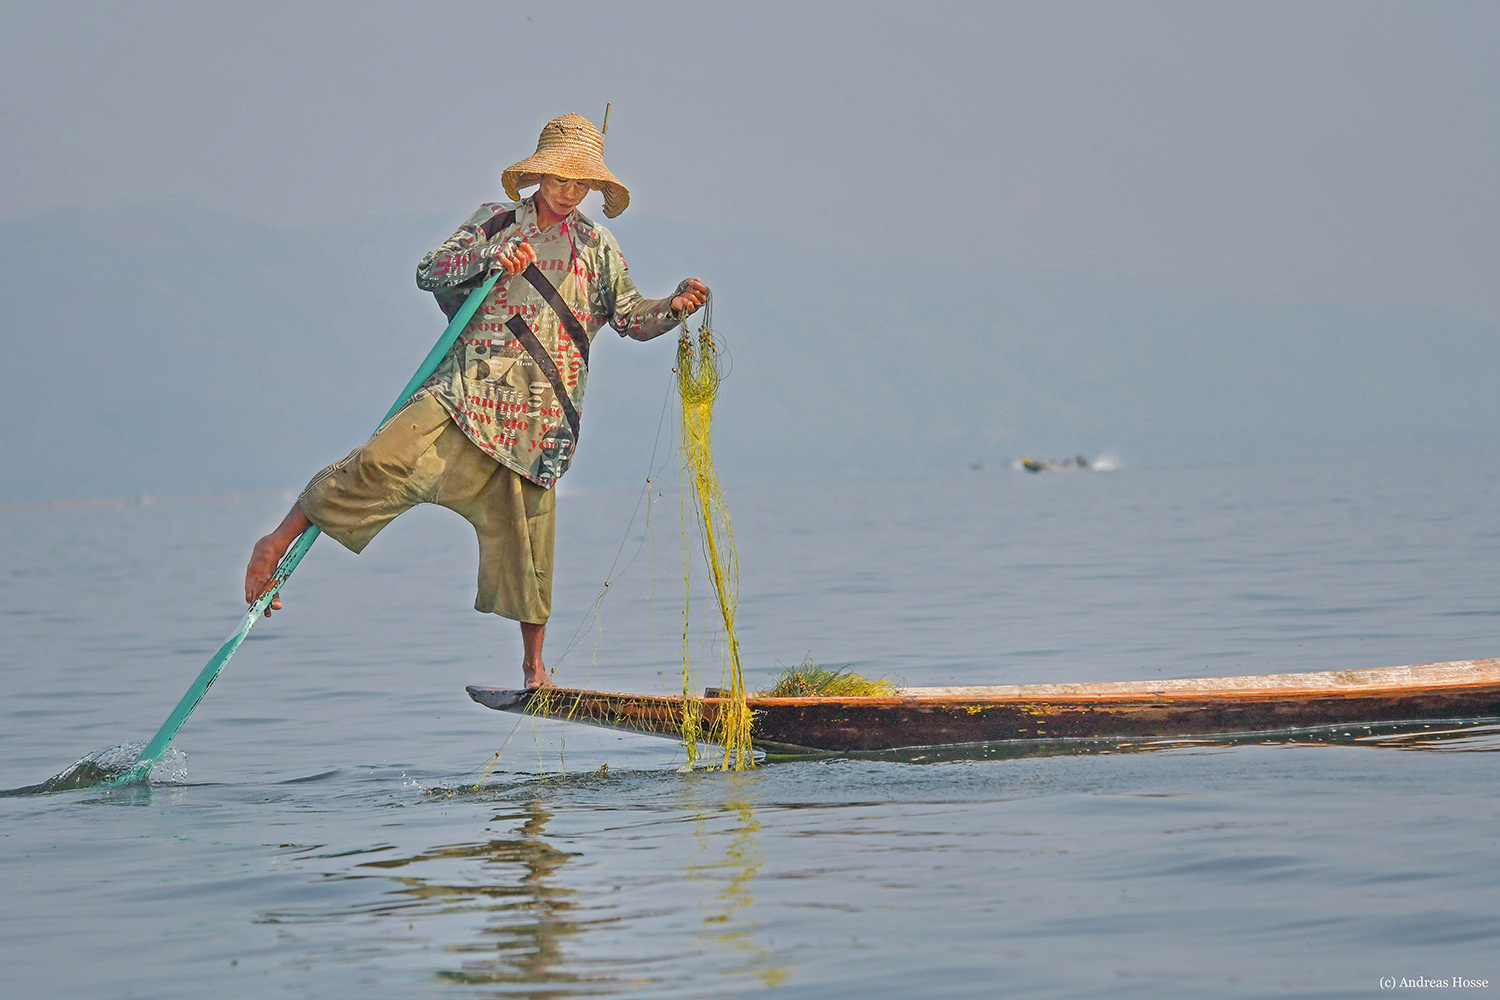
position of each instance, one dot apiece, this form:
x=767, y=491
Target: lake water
x=329, y=841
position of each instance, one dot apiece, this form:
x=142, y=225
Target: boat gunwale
x=1453, y=677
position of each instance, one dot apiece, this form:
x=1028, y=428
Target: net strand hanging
x=699, y=373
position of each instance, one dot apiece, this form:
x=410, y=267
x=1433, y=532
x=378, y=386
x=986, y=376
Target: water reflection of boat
x=1018, y=714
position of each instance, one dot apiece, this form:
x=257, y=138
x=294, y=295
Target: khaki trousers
x=420, y=456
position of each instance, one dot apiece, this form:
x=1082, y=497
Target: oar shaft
x=141, y=770
x=210, y=672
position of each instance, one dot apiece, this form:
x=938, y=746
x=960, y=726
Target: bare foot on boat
x=532, y=668
x=268, y=552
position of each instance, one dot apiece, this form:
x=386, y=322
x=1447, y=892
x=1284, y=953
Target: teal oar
x=141, y=769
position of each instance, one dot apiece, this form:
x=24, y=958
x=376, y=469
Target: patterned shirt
x=514, y=381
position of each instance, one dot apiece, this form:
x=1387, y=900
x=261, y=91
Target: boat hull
x=928, y=717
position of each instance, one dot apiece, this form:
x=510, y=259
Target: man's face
x=562, y=195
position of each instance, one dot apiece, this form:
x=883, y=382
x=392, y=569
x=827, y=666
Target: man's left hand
x=691, y=298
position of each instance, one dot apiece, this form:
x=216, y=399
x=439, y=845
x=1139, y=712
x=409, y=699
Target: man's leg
x=514, y=521
x=357, y=496
x=268, y=552
x=532, y=667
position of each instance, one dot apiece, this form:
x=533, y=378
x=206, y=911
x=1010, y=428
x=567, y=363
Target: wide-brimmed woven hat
x=569, y=147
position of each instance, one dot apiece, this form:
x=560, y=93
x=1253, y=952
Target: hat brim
x=530, y=171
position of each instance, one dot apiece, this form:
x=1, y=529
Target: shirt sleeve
x=466, y=255
x=630, y=313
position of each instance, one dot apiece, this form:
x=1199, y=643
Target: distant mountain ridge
x=163, y=348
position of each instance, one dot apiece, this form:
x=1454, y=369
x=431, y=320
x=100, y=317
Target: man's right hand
x=267, y=556
x=516, y=257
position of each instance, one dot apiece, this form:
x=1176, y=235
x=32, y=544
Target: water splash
x=110, y=764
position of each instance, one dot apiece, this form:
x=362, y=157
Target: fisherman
x=495, y=427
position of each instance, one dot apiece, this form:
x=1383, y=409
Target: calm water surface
x=329, y=840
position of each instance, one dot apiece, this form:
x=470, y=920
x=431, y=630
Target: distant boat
x=1055, y=465
x=1019, y=714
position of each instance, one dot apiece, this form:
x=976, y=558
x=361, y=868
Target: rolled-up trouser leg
x=515, y=521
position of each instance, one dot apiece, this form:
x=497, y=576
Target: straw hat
x=569, y=147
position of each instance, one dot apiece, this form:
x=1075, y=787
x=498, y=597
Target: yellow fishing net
x=698, y=375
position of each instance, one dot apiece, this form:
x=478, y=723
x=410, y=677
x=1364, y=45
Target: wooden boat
x=1123, y=710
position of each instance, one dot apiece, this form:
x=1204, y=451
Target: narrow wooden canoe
x=952, y=716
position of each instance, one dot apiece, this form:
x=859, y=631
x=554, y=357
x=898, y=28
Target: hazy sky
x=1273, y=152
